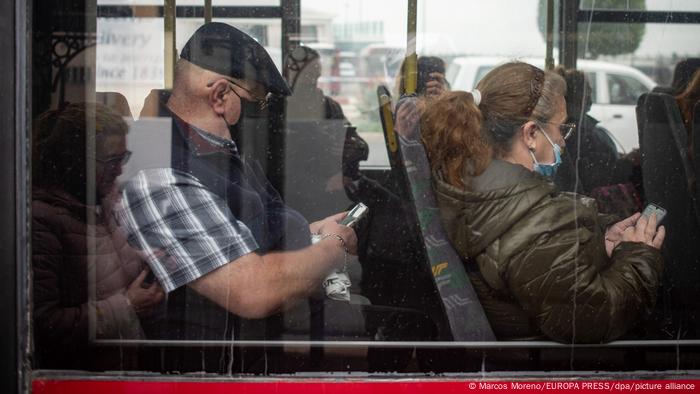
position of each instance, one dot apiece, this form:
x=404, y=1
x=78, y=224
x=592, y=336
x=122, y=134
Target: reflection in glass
x=88, y=282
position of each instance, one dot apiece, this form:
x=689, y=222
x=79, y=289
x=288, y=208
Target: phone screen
x=653, y=208
x=355, y=214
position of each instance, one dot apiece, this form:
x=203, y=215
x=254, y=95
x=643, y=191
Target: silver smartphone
x=653, y=208
x=356, y=213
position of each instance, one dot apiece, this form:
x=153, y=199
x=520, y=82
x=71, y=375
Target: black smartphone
x=426, y=66
x=356, y=213
x=149, y=279
x=658, y=210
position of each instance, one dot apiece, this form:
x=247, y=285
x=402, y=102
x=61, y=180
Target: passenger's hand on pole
x=645, y=231
x=613, y=236
x=330, y=226
x=143, y=297
x=407, y=117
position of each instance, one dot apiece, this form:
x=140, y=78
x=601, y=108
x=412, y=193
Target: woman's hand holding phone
x=636, y=228
x=645, y=231
x=614, y=234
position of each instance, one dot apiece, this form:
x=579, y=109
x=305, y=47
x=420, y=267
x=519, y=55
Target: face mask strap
x=547, y=169
x=546, y=136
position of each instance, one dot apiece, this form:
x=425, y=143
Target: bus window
x=624, y=90
x=185, y=211
x=645, y=63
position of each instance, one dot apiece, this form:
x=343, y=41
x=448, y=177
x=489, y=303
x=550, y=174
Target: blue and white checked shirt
x=184, y=230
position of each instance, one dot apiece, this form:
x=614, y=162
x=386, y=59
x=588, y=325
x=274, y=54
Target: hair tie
x=476, y=96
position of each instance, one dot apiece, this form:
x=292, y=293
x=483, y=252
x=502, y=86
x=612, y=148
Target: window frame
x=19, y=142
x=15, y=106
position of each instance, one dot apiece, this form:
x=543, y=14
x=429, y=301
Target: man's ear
x=218, y=96
x=528, y=134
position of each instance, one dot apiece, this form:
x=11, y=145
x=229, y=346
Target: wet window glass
x=255, y=187
x=593, y=81
x=625, y=90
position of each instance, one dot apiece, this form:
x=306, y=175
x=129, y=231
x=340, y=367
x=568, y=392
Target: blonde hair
x=462, y=138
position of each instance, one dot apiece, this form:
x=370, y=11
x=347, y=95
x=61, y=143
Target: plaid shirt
x=184, y=230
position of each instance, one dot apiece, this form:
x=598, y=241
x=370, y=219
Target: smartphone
x=149, y=279
x=653, y=208
x=356, y=213
x=426, y=66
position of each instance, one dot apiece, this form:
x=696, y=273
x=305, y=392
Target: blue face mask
x=548, y=169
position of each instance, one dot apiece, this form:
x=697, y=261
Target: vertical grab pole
x=208, y=13
x=169, y=42
x=568, y=33
x=410, y=71
x=549, y=59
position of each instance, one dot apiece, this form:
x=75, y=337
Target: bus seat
x=386, y=116
x=663, y=89
x=115, y=101
x=641, y=114
x=667, y=175
x=666, y=148
x=465, y=317
x=694, y=135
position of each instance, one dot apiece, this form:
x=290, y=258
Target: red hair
x=454, y=143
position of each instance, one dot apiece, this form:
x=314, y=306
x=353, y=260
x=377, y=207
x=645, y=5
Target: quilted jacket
x=80, y=275
x=537, y=259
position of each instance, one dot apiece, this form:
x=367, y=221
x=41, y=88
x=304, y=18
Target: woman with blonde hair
x=545, y=264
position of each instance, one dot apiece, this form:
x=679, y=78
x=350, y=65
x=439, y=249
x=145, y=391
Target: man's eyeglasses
x=116, y=160
x=263, y=102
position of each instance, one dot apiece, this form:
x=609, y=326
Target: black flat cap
x=225, y=50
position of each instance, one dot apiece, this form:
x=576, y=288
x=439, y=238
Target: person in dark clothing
x=683, y=74
x=591, y=164
x=430, y=82
x=232, y=256
x=216, y=234
x=324, y=149
x=545, y=264
x=87, y=282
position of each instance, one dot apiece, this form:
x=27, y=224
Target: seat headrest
x=661, y=108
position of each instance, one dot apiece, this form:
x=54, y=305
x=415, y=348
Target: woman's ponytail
x=451, y=133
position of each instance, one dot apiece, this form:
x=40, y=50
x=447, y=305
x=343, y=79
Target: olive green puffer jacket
x=537, y=259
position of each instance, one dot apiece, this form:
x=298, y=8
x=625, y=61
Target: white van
x=615, y=90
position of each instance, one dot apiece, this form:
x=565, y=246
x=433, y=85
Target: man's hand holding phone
x=337, y=284
x=356, y=214
x=330, y=225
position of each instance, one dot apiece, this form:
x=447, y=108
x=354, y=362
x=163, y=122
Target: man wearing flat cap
x=215, y=232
